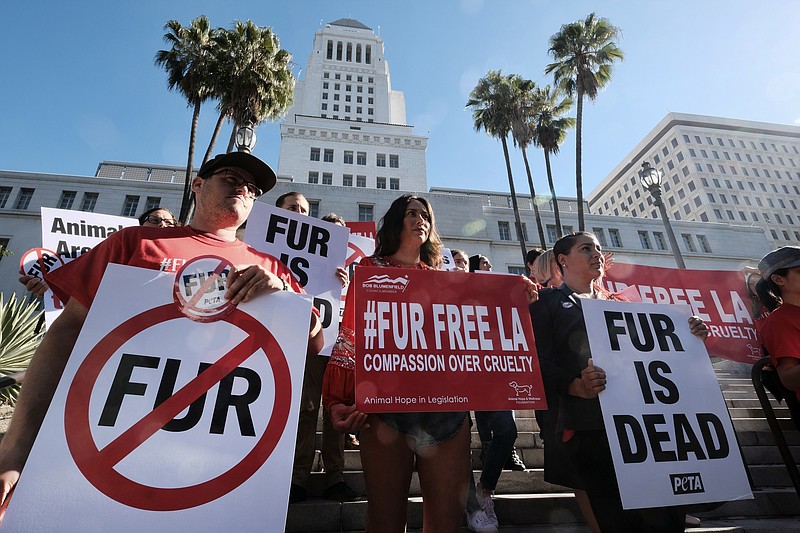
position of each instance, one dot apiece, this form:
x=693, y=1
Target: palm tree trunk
x=559, y=231
x=578, y=175
x=520, y=236
x=539, y=226
x=232, y=140
x=186, y=203
x=213, y=138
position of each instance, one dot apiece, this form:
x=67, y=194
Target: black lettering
x=240, y=402
x=167, y=389
x=294, y=239
x=58, y=226
x=686, y=440
x=707, y=421
x=665, y=329
x=656, y=437
x=614, y=331
x=671, y=395
x=276, y=225
x=319, y=239
x=122, y=385
x=630, y=454
x=325, y=311
x=643, y=346
x=298, y=266
x=644, y=383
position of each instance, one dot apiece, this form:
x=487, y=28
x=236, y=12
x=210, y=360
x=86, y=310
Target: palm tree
x=255, y=82
x=584, y=52
x=523, y=133
x=189, y=63
x=493, y=102
x=550, y=131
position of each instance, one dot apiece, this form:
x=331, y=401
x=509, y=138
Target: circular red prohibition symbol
x=98, y=466
x=199, y=288
x=39, y=261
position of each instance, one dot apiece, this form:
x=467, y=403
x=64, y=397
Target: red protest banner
x=441, y=341
x=718, y=297
x=365, y=229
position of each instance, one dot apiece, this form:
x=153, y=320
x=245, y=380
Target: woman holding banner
x=779, y=292
x=577, y=452
x=393, y=443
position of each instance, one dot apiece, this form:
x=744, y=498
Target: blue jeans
x=500, y=431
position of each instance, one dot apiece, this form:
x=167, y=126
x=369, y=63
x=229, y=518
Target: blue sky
x=79, y=84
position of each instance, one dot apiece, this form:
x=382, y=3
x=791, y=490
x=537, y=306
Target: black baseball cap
x=786, y=257
x=261, y=172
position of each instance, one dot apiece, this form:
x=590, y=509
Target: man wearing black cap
x=225, y=189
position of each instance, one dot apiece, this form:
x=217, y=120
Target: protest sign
x=670, y=433
x=73, y=233
x=447, y=260
x=365, y=229
x=441, y=341
x=718, y=297
x=165, y=423
x=312, y=249
x=358, y=247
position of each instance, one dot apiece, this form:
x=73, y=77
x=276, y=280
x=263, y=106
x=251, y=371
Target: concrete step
x=757, y=412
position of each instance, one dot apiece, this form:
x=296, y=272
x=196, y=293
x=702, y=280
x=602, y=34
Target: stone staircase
x=524, y=502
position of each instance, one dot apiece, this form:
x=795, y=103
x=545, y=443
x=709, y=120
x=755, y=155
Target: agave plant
x=18, y=340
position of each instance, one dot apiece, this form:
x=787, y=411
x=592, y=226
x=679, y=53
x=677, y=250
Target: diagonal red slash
x=206, y=284
x=142, y=430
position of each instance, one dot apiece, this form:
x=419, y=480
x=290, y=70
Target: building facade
x=720, y=170
x=347, y=126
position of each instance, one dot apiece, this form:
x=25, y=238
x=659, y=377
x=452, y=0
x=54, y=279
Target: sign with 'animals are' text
x=671, y=437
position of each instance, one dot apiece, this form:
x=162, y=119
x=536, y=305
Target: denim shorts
x=427, y=429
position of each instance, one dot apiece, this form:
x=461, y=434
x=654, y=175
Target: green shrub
x=18, y=339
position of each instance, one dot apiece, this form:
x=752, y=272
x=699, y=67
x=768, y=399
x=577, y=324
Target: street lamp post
x=651, y=180
x=246, y=138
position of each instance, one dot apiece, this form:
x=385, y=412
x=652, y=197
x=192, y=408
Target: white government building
x=346, y=146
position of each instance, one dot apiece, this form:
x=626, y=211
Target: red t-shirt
x=164, y=249
x=780, y=334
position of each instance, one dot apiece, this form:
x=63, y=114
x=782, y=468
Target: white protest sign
x=312, y=249
x=162, y=423
x=670, y=433
x=72, y=233
x=358, y=247
x=447, y=260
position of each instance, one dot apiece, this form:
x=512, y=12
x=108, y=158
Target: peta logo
x=690, y=483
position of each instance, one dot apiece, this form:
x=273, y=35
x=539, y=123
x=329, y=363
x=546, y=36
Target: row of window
x=710, y=142
x=360, y=181
x=348, y=52
x=360, y=157
x=67, y=201
x=614, y=238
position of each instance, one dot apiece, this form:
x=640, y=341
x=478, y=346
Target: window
x=551, y=233
x=361, y=181
x=67, y=199
x=328, y=155
x=347, y=180
x=152, y=202
x=616, y=240
x=381, y=183
x=689, y=242
x=601, y=236
x=658, y=238
x=704, y=245
x=380, y=160
x=361, y=158
x=89, y=201
x=130, y=205
x=5, y=193
x=315, y=154
x=394, y=161
x=505, y=232
x=24, y=198
x=394, y=184
x=313, y=177
x=524, y=231
x=644, y=239
x=313, y=208
x=327, y=178
x=348, y=157
x=365, y=213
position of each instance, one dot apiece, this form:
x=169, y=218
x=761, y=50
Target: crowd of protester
x=437, y=444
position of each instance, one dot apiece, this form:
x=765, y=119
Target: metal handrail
x=772, y=420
